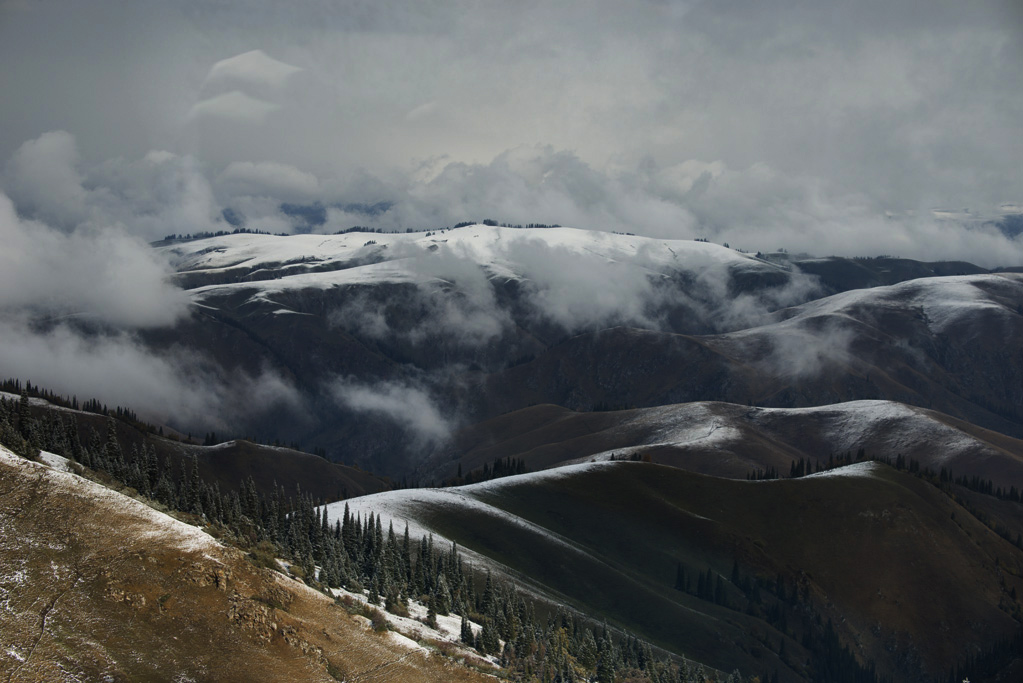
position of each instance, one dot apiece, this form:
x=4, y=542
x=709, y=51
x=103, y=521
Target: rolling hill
x=886, y=563
x=728, y=440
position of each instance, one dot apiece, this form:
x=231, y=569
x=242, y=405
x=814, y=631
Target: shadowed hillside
x=729, y=440
x=886, y=563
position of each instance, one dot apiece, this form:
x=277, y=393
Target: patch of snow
x=55, y=461
x=413, y=628
x=405, y=642
x=859, y=469
x=152, y=523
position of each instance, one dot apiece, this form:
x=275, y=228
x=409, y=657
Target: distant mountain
x=937, y=343
x=481, y=320
x=728, y=440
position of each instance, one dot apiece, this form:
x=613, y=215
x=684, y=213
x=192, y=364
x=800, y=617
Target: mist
x=178, y=388
x=405, y=404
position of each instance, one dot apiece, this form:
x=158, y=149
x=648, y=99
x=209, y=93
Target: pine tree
x=24, y=417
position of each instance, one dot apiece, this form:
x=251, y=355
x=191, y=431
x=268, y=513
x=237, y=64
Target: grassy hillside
x=907, y=578
x=98, y=586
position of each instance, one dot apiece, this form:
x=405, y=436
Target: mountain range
x=803, y=468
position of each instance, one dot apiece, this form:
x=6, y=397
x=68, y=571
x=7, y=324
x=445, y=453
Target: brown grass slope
x=728, y=440
x=97, y=586
x=909, y=578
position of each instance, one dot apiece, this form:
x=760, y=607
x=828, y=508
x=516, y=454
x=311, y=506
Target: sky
x=813, y=126
x=825, y=128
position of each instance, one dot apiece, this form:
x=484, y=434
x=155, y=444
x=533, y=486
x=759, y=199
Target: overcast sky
x=819, y=126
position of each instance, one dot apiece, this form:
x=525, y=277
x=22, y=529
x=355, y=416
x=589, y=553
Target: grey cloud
x=234, y=106
x=252, y=68
x=102, y=274
x=176, y=387
x=796, y=353
x=161, y=193
x=42, y=177
x=579, y=291
x=768, y=124
x=246, y=88
x=268, y=178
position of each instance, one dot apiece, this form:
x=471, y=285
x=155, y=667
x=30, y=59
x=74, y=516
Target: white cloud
x=160, y=194
x=233, y=106
x=409, y=407
x=102, y=274
x=42, y=177
x=176, y=386
x=254, y=67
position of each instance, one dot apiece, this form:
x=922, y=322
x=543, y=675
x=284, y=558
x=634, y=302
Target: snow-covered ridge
x=859, y=469
x=152, y=523
x=896, y=427
x=400, y=507
x=940, y=302
x=396, y=506
x=480, y=243
x=306, y=260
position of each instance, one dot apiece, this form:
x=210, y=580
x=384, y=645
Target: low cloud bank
x=408, y=406
x=79, y=283
x=177, y=387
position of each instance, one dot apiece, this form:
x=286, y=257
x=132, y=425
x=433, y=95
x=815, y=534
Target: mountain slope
x=98, y=586
x=226, y=464
x=479, y=321
x=938, y=343
x=729, y=440
x=908, y=578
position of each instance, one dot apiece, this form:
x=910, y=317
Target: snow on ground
x=893, y=426
x=403, y=507
x=942, y=301
x=368, y=258
x=398, y=507
x=153, y=524
x=55, y=461
x=412, y=630
x=897, y=427
x=479, y=243
x=492, y=485
x=682, y=424
x=859, y=469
